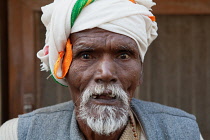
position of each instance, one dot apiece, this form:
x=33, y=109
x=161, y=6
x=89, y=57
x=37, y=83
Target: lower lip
x=105, y=102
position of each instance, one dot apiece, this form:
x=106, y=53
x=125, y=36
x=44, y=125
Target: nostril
x=100, y=81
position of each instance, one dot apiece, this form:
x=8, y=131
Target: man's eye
x=123, y=56
x=86, y=56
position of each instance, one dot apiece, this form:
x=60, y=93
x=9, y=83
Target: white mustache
x=116, y=91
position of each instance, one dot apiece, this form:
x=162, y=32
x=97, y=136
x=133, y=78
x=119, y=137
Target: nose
x=106, y=72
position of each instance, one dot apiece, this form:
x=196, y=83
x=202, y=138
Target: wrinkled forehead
x=97, y=37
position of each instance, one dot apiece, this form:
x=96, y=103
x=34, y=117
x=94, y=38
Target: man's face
x=106, y=67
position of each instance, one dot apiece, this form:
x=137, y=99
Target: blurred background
x=176, y=67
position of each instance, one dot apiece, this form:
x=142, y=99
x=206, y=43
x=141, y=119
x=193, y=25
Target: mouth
x=105, y=98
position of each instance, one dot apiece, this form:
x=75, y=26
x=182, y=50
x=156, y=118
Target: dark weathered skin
x=100, y=56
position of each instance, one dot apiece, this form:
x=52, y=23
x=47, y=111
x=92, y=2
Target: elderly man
x=97, y=48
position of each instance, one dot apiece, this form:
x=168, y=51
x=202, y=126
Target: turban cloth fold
x=134, y=20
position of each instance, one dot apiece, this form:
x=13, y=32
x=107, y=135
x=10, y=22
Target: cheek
x=130, y=77
x=136, y=73
x=74, y=76
x=79, y=75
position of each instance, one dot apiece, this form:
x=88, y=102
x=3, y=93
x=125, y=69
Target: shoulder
x=62, y=107
x=47, y=114
x=162, y=121
x=156, y=108
x=8, y=131
x=48, y=118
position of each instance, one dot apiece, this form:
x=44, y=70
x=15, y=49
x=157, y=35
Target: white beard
x=104, y=119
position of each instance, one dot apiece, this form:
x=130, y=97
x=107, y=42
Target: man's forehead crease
x=82, y=43
x=86, y=36
x=82, y=47
x=87, y=41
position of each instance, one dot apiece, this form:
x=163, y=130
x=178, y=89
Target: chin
x=103, y=119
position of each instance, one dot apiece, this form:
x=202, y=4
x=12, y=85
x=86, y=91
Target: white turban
x=119, y=16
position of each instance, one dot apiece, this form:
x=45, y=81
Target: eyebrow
x=81, y=48
x=88, y=48
x=126, y=48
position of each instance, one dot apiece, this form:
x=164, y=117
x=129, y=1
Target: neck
x=90, y=135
